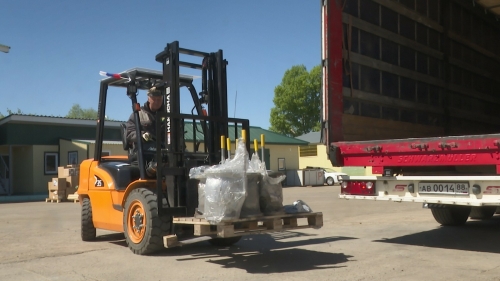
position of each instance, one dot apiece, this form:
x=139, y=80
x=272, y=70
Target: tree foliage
x=297, y=102
x=77, y=111
x=10, y=112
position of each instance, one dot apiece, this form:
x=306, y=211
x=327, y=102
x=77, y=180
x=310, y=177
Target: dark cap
x=153, y=91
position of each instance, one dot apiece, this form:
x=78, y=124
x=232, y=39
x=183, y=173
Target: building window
x=73, y=158
x=308, y=150
x=51, y=163
x=281, y=164
x=106, y=153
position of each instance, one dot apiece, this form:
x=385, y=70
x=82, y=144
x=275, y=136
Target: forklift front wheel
x=144, y=228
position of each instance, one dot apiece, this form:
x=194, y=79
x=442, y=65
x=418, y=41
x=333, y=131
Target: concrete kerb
x=22, y=198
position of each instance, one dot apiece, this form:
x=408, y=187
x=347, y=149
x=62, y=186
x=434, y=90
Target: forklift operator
x=148, y=126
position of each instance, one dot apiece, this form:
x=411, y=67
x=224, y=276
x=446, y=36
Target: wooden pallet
x=49, y=200
x=73, y=197
x=252, y=225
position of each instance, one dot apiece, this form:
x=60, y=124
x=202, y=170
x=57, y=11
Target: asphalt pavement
x=360, y=240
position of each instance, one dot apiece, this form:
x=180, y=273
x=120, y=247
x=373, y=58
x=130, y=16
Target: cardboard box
x=58, y=184
x=63, y=172
x=72, y=181
x=56, y=193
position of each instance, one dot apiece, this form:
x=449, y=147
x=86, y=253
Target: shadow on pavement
x=257, y=253
x=263, y=254
x=475, y=235
x=280, y=261
x=114, y=238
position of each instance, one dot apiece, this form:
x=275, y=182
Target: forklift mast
x=208, y=126
x=214, y=123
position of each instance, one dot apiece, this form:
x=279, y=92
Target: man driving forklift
x=148, y=130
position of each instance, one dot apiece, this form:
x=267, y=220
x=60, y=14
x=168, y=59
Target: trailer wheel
x=224, y=242
x=144, y=228
x=451, y=215
x=88, y=231
x=330, y=181
x=482, y=213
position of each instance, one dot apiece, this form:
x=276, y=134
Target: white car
x=331, y=176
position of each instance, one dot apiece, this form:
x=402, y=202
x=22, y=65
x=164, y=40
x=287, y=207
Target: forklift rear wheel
x=451, y=215
x=144, y=228
x=224, y=242
x=88, y=231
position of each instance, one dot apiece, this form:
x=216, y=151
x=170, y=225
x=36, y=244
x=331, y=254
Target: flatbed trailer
x=460, y=171
x=410, y=91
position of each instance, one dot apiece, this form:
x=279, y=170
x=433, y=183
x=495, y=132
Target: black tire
x=482, y=213
x=88, y=231
x=330, y=181
x=451, y=215
x=143, y=227
x=224, y=242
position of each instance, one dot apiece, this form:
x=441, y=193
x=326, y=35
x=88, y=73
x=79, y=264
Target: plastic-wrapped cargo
x=270, y=188
x=271, y=194
x=199, y=174
x=251, y=205
x=226, y=187
x=298, y=206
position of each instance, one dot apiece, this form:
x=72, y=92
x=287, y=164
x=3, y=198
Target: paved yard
x=360, y=240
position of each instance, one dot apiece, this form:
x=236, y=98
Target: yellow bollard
x=255, y=145
x=222, y=146
x=228, y=148
x=222, y=142
x=262, y=144
x=244, y=135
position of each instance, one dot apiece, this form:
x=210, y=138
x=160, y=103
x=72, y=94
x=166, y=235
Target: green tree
x=297, y=102
x=77, y=112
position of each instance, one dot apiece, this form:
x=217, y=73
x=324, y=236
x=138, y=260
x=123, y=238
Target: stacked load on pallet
x=65, y=184
x=237, y=188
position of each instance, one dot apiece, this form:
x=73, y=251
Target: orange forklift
x=116, y=192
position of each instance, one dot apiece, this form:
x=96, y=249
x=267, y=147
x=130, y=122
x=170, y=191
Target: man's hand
x=147, y=136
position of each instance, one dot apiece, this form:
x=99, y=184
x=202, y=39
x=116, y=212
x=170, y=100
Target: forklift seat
x=125, y=143
x=122, y=173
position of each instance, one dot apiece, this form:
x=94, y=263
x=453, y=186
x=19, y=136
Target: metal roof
x=255, y=132
x=145, y=78
x=311, y=137
x=93, y=141
x=54, y=120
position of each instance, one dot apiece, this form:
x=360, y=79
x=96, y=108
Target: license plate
x=444, y=187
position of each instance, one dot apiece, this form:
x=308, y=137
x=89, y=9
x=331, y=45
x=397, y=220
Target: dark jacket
x=147, y=120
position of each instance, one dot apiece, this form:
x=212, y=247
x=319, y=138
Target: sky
x=58, y=48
